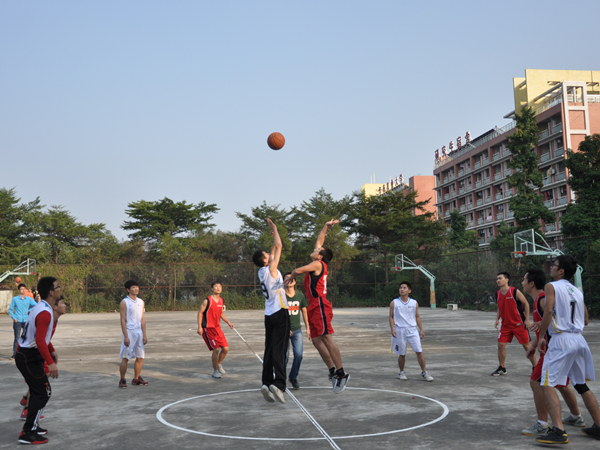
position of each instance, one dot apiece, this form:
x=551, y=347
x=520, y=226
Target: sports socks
x=542, y=423
x=340, y=372
x=332, y=371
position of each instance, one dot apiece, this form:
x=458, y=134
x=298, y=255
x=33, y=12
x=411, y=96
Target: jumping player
x=404, y=320
x=513, y=310
x=34, y=349
x=567, y=353
x=277, y=320
x=533, y=285
x=209, y=327
x=319, y=309
x=133, y=326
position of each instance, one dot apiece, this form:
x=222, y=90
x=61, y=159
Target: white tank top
x=135, y=311
x=405, y=314
x=273, y=290
x=568, y=315
x=27, y=339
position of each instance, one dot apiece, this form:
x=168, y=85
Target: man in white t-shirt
x=567, y=353
x=404, y=320
x=277, y=319
x=133, y=327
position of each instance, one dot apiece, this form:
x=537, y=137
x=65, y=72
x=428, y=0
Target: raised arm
x=311, y=267
x=276, y=250
x=321, y=238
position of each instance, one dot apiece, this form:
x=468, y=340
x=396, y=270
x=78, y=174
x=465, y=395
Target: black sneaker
x=593, y=431
x=40, y=431
x=499, y=371
x=295, y=384
x=554, y=436
x=31, y=437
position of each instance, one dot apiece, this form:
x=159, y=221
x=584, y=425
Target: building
x=471, y=177
x=423, y=184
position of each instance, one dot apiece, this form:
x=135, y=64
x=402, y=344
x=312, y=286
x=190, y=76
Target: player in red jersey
x=319, y=309
x=209, y=327
x=513, y=310
x=533, y=285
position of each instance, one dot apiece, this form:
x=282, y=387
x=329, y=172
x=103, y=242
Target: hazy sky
x=105, y=103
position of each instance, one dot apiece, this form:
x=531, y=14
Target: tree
x=528, y=205
x=17, y=227
x=459, y=237
x=152, y=220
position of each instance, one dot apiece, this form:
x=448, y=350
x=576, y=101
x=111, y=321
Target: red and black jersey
x=316, y=285
x=211, y=317
x=511, y=309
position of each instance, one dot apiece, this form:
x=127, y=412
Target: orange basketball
x=18, y=279
x=276, y=141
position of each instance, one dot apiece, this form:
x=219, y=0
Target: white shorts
x=406, y=336
x=136, y=345
x=568, y=355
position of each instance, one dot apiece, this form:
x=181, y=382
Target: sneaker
x=30, y=437
x=535, y=430
x=13, y=356
x=220, y=369
x=499, y=371
x=554, y=436
x=402, y=375
x=340, y=383
x=593, y=431
x=40, y=431
x=24, y=414
x=575, y=421
x=295, y=384
x=277, y=393
x=426, y=376
x=217, y=374
x=267, y=393
x=139, y=382
x=122, y=383
x=23, y=401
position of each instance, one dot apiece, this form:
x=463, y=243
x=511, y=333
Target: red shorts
x=320, y=314
x=537, y=372
x=521, y=333
x=214, y=338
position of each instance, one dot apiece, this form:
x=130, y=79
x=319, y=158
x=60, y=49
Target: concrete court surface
x=87, y=410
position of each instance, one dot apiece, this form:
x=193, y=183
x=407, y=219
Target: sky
x=107, y=103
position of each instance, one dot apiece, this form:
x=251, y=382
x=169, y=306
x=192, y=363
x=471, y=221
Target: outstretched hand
x=272, y=226
x=332, y=222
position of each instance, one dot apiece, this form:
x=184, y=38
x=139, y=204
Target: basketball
x=18, y=279
x=276, y=141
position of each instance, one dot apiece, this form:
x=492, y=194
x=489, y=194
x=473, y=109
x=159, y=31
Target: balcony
x=498, y=196
x=477, y=165
x=545, y=157
x=488, y=200
x=497, y=176
x=549, y=203
x=484, y=161
x=461, y=172
x=559, y=152
x=480, y=221
x=506, y=152
x=500, y=216
x=561, y=176
x=469, y=187
x=562, y=201
x=481, y=240
x=461, y=190
x=477, y=184
x=469, y=206
x=462, y=208
x=496, y=156
x=470, y=224
x=549, y=228
x=510, y=215
x=446, y=196
x=479, y=202
x=547, y=181
x=557, y=128
x=467, y=169
x=489, y=219
x=447, y=214
x=486, y=181
x=508, y=172
x=544, y=134
x=509, y=194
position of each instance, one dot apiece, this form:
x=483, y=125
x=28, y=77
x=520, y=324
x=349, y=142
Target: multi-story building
x=472, y=177
x=423, y=184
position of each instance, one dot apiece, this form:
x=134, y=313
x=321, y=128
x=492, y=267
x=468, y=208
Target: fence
x=467, y=278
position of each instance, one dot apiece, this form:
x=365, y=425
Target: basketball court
x=183, y=406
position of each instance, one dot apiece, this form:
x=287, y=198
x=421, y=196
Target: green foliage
x=505, y=237
x=17, y=226
x=528, y=205
x=460, y=238
x=152, y=220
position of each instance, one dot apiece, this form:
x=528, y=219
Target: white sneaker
x=216, y=374
x=340, y=383
x=535, y=430
x=220, y=369
x=402, y=376
x=575, y=421
x=267, y=394
x=426, y=376
x=277, y=393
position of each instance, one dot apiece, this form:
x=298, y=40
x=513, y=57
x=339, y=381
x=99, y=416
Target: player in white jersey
x=404, y=320
x=34, y=348
x=277, y=319
x=567, y=354
x=133, y=326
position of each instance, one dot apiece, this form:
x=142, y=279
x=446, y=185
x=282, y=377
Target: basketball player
x=513, y=310
x=209, y=327
x=277, y=320
x=567, y=353
x=297, y=306
x=404, y=320
x=18, y=310
x=319, y=310
x=533, y=285
x=34, y=349
x=133, y=326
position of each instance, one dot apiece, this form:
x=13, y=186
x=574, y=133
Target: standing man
x=404, y=320
x=277, y=319
x=18, y=310
x=320, y=312
x=567, y=353
x=209, y=327
x=133, y=327
x=35, y=349
x=297, y=304
x=533, y=285
x=513, y=310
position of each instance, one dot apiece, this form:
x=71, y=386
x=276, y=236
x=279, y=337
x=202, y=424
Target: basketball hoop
x=516, y=258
